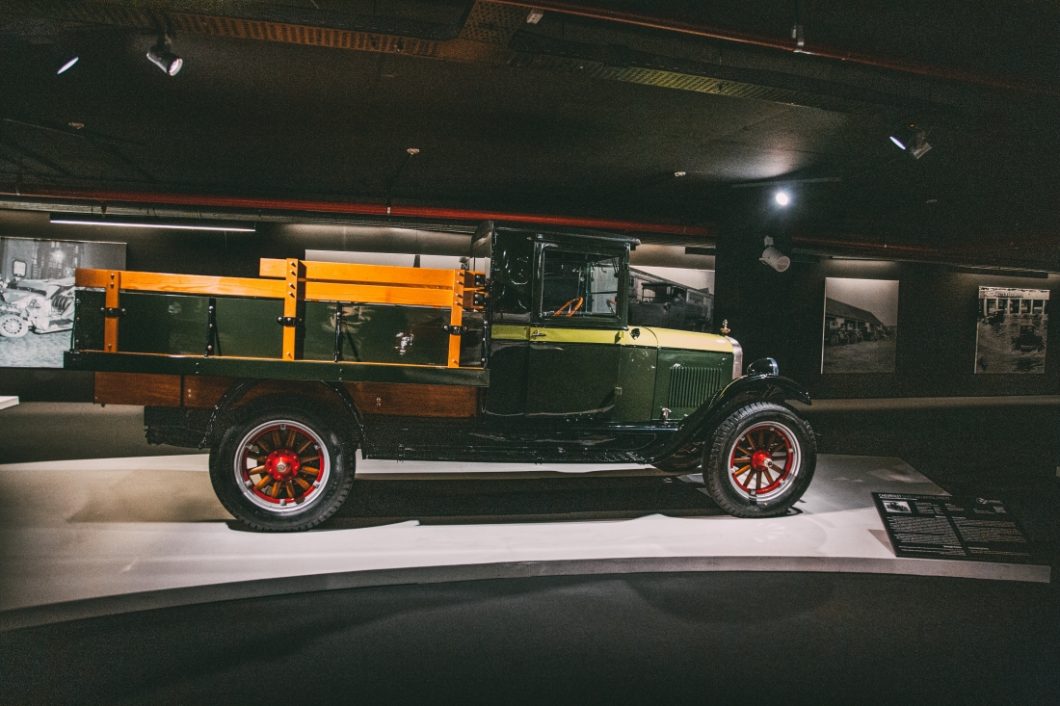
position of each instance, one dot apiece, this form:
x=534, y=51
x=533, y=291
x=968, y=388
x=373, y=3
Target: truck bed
x=300, y=320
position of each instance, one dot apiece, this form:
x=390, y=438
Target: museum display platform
x=115, y=535
x=7, y=401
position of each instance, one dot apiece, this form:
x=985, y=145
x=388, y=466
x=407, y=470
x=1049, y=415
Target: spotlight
x=782, y=198
x=773, y=257
x=912, y=140
x=67, y=64
x=162, y=56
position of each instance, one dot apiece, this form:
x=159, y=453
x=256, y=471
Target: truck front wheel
x=760, y=461
x=282, y=468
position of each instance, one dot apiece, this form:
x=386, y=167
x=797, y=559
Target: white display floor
x=74, y=530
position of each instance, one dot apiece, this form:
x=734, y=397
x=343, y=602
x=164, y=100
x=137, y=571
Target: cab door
x=578, y=319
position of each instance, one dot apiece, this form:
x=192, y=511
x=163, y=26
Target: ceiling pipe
x=111, y=198
x=786, y=44
x=841, y=247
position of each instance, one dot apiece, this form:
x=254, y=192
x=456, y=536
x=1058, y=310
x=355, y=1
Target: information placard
x=945, y=527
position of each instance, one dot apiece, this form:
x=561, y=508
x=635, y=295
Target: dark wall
x=781, y=314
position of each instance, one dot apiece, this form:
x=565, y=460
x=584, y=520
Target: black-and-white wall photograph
x=1011, y=330
x=37, y=296
x=860, y=325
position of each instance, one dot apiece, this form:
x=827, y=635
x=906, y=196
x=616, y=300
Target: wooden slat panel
x=294, y=294
x=204, y=391
x=185, y=284
x=202, y=284
x=96, y=279
x=146, y=389
x=405, y=400
x=271, y=288
x=111, y=301
x=456, y=317
x=392, y=275
x=377, y=294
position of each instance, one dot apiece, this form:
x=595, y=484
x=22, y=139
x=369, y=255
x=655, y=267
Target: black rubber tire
x=335, y=488
x=716, y=473
x=13, y=326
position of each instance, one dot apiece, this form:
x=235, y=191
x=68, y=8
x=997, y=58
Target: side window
x=579, y=285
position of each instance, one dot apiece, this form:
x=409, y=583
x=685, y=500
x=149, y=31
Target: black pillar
x=757, y=300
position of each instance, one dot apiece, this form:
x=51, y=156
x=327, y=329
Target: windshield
x=576, y=284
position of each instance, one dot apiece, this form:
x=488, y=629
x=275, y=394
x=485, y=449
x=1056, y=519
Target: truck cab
x=562, y=344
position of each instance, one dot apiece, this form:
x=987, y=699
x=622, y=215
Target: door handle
x=538, y=334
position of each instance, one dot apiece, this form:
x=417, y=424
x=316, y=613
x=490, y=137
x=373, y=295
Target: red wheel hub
x=763, y=460
x=282, y=464
x=760, y=460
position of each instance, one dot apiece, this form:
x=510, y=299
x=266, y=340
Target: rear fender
x=225, y=409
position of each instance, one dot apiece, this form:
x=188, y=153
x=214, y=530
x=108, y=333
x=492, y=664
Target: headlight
x=764, y=366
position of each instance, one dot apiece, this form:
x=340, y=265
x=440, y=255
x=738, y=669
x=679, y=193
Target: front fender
x=763, y=386
x=754, y=387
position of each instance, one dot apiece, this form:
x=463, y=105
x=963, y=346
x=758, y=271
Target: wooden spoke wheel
x=281, y=467
x=760, y=461
x=763, y=460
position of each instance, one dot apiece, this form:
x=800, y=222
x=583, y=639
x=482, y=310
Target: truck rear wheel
x=760, y=461
x=282, y=468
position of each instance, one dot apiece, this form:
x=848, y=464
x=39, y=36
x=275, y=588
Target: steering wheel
x=574, y=304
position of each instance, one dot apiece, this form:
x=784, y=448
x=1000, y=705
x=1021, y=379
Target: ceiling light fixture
x=136, y=222
x=534, y=16
x=774, y=258
x=911, y=139
x=162, y=56
x=782, y=198
x=67, y=64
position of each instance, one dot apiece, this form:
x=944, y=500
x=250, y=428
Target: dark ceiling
x=588, y=112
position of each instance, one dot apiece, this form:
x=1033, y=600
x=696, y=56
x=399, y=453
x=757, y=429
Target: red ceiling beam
x=111, y=198
x=785, y=44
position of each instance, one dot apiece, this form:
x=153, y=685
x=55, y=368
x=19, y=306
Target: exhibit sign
x=860, y=325
x=945, y=527
x=37, y=295
x=1011, y=330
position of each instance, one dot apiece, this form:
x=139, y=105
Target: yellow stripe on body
x=649, y=337
x=691, y=340
x=509, y=332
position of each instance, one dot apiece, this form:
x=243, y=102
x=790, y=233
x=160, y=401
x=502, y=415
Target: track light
x=773, y=257
x=67, y=63
x=912, y=140
x=162, y=56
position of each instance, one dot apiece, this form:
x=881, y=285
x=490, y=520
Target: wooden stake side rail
x=297, y=281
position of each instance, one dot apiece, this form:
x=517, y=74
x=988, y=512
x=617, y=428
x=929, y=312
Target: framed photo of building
x=1011, y=330
x=860, y=325
x=37, y=295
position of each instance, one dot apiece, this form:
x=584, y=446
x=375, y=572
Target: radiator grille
x=690, y=387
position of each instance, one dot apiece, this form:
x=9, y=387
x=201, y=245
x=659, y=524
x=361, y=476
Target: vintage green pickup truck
x=284, y=377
